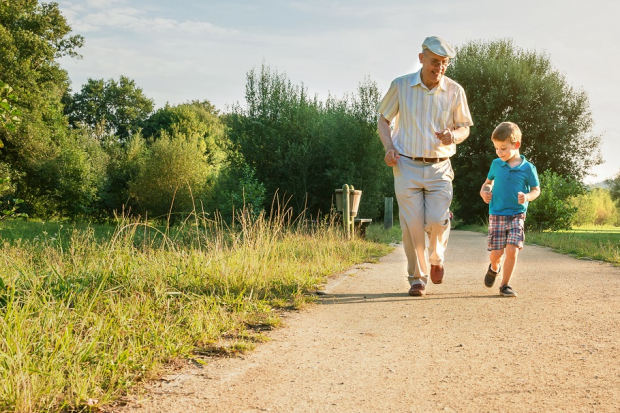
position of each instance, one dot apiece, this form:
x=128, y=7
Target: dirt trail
x=369, y=347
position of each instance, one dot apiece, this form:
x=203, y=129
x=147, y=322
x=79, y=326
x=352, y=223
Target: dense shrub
x=585, y=210
x=596, y=207
x=302, y=149
x=171, y=172
x=552, y=210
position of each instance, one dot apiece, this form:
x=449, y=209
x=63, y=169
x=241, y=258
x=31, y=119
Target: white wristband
x=453, y=137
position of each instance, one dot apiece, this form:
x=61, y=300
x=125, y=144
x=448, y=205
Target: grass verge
x=86, y=313
x=596, y=242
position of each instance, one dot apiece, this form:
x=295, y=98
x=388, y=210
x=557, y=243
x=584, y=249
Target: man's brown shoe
x=437, y=274
x=417, y=290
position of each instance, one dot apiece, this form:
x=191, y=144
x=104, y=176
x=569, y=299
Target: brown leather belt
x=426, y=160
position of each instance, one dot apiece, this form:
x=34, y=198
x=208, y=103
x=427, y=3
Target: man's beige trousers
x=424, y=193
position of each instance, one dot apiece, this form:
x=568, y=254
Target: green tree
x=76, y=176
x=606, y=210
x=237, y=189
x=355, y=150
x=32, y=37
x=124, y=164
x=506, y=83
x=9, y=115
x=553, y=209
x=303, y=148
x=276, y=136
x=119, y=108
x=196, y=119
x=614, y=187
x=585, y=210
x=171, y=175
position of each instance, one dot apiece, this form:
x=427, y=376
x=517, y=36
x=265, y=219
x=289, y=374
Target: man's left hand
x=445, y=136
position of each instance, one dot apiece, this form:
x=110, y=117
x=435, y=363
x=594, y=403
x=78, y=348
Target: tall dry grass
x=84, y=318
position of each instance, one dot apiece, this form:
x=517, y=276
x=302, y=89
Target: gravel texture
x=369, y=347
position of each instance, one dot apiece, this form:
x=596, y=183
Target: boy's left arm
x=530, y=196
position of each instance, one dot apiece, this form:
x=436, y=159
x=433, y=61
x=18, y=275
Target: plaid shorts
x=505, y=229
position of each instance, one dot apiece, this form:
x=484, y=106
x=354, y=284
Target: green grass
x=376, y=233
x=593, y=242
x=87, y=312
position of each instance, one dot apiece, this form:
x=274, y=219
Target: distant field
x=594, y=242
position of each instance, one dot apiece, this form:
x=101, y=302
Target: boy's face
x=506, y=150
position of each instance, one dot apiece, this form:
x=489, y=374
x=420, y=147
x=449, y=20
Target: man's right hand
x=391, y=157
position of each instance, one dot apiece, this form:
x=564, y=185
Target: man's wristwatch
x=453, y=137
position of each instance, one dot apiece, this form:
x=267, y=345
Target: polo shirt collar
x=417, y=80
x=520, y=166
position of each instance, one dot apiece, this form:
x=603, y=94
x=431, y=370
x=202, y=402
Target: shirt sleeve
x=389, y=104
x=491, y=174
x=533, y=177
x=462, y=117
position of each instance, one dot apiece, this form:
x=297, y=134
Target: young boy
x=512, y=182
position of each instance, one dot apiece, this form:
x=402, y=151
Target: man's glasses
x=438, y=63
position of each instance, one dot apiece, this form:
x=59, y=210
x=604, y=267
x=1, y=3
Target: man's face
x=433, y=67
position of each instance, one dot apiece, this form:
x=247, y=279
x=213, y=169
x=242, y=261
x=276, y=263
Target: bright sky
x=190, y=49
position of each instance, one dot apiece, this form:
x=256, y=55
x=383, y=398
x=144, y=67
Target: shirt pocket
x=444, y=120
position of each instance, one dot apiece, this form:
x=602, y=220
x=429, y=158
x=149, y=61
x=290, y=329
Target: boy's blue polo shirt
x=507, y=183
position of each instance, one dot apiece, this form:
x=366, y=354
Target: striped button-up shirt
x=418, y=113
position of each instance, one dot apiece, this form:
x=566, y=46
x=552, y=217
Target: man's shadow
x=330, y=299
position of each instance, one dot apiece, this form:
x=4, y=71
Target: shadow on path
x=392, y=297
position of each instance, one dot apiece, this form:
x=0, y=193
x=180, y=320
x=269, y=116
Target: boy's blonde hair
x=507, y=131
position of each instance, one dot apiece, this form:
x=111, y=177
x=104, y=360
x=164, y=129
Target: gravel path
x=369, y=347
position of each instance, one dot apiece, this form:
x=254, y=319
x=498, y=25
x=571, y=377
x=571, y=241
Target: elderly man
x=431, y=117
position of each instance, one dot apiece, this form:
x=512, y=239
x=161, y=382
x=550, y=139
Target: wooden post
x=351, y=217
x=388, y=216
x=346, y=211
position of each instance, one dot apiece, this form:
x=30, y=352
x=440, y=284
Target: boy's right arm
x=486, y=192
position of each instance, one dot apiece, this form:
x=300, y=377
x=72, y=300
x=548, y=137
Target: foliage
x=595, y=207
x=32, y=37
x=9, y=115
x=552, y=210
x=614, y=187
x=9, y=205
x=118, y=107
x=303, y=148
x=79, y=175
x=585, y=209
x=171, y=172
x=186, y=150
x=124, y=163
x=606, y=210
x=196, y=119
x=237, y=189
x=506, y=83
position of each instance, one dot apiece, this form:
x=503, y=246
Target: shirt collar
x=520, y=166
x=417, y=80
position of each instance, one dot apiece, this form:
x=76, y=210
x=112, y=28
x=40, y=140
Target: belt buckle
x=424, y=159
